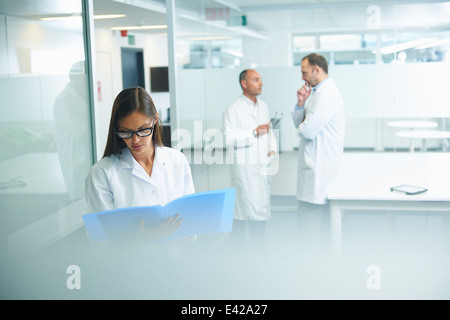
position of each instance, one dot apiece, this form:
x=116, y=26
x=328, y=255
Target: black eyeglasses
x=140, y=133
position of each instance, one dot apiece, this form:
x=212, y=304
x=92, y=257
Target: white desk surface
x=369, y=176
x=41, y=173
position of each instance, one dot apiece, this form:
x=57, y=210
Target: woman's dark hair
x=316, y=59
x=128, y=101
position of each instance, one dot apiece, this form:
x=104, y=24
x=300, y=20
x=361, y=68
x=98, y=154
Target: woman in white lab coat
x=136, y=169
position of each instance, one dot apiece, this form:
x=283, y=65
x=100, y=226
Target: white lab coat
x=321, y=141
x=119, y=181
x=71, y=113
x=252, y=168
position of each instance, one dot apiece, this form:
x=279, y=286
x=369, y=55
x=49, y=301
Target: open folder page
x=201, y=213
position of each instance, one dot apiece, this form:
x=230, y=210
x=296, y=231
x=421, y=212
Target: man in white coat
x=320, y=122
x=250, y=139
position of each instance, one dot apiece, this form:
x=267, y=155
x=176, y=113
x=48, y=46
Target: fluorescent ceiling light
x=405, y=45
x=109, y=16
x=436, y=43
x=96, y=17
x=140, y=27
x=67, y=18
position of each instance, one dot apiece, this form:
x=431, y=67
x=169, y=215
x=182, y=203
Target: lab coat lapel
x=130, y=163
x=159, y=174
x=316, y=94
x=159, y=165
x=251, y=108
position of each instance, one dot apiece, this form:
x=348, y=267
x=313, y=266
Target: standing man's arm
x=298, y=114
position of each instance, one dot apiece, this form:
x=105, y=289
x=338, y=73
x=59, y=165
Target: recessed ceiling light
x=211, y=38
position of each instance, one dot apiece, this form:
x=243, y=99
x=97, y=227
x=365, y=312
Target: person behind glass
x=136, y=169
x=71, y=113
x=251, y=140
x=320, y=124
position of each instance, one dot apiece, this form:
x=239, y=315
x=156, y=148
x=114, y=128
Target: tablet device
x=409, y=189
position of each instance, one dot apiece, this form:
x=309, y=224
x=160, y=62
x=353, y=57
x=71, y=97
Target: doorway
x=133, y=67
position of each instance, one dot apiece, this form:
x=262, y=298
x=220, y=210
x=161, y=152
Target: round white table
x=413, y=124
x=424, y=135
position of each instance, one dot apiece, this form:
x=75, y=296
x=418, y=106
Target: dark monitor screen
x=159, y=79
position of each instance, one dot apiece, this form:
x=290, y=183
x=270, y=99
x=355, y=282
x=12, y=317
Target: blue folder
x=206, y=212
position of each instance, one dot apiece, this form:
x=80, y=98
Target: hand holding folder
x=158, y=230
x=199, y=213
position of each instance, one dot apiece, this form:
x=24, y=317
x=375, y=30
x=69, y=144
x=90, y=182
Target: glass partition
x=389, y=60
x=380, y=56
x=208, y=41
x=45, y=133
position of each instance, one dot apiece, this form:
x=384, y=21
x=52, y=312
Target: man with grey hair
x=249, y=137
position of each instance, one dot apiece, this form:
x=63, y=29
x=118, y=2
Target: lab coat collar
x=250, y=102
x=127, y=161
x=321, y=84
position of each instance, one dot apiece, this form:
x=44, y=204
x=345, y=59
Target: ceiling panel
x=151, y=14
x=262, y=15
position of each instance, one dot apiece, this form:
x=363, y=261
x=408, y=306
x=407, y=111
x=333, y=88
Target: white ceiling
x=262, y=15
x=292, y=15
x=151, y=13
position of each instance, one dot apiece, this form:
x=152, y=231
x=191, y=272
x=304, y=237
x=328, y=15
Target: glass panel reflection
x=45, y=133
x=209, y=44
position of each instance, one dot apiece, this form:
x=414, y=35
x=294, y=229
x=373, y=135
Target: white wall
x=371, y=93
x=390, y=91
x=256, y=53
